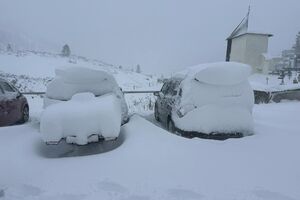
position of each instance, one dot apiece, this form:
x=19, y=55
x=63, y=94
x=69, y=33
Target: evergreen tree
x=9, y=48
x=138, y=69
x=66, y=51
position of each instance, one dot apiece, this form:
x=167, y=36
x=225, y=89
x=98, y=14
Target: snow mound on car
x=221, y=73
x=81, y=118
x=215, y=119
x=83, y=75
x=72, y=80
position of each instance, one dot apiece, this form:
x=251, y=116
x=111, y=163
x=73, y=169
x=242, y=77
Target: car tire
x=156, y=114
x=25, y=114
x=171, y=126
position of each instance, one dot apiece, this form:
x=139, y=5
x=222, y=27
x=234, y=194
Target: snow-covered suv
x=212, y=101
x=82, y=105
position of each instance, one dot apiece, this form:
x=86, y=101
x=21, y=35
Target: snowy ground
x=154, y=164
x=272, y=83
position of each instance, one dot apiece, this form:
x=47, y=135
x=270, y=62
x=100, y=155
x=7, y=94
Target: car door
x=11, y=104
x=3, y=110
x=170, y=97
x=160, y=103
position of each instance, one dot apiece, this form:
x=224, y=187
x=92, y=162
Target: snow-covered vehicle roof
x=220, y=73
x=71, y=80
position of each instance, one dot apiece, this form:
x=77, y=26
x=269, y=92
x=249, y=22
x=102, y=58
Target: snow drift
x=83, y=119
x=216, y=98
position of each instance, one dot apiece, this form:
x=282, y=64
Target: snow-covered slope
x=31, y=71
x=41, y=65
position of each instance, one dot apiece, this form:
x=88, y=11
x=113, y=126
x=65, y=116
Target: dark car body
x=13, y=105
x=165, y=101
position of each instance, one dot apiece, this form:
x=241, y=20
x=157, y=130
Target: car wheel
x=171, y=126
x=156, y=114
x=25, y=114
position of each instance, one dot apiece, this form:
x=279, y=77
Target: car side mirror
x=19, y=94
x=158, y=94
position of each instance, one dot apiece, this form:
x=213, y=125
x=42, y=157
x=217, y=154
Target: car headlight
x=183, y=110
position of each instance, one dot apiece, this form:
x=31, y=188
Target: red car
x=13, y=105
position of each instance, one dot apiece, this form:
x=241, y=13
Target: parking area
x=152, y=163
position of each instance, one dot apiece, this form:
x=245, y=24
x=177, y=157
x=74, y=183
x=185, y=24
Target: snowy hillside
x=42, y=65
x=31, y=71
x=19, y=40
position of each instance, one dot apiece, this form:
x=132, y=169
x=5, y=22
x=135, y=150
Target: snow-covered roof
x=220, y=73
x=252, y=33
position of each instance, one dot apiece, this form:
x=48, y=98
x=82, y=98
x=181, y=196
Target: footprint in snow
x=136, y=197
x=182, y=194
x=109, y=186
x=269, y=195
x=22, y=191
x=64, y=197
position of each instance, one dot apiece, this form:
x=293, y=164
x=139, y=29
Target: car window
x=1, y=91
x=170, y=87
x=164, y=88
x=173, y=87
x=6, y=87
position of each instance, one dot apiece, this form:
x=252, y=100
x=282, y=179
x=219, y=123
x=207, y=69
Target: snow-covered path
x=154, y=164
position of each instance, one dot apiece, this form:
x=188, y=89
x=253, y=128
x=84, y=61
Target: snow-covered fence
x=124, y=92
x=276, y=96
x=33, y=93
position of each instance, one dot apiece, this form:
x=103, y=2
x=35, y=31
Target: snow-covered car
x=82, y=105
x=13, y=105
x=212, y=101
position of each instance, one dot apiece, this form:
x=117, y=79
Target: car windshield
x=170, y=88
x=1, y=91
x=6, y=87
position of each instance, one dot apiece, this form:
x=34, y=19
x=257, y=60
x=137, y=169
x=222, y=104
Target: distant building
x=272, y=63
x=297, y=51
x=248, y=47
x=289, y=59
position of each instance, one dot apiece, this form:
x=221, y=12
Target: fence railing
x=124, y=92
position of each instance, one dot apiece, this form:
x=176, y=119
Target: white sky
x=160, y=35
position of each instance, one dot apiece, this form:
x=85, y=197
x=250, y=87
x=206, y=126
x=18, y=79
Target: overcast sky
x=160, y=35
